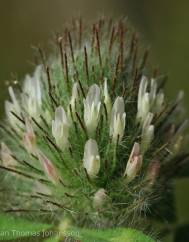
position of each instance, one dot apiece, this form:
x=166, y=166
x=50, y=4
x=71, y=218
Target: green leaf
x=110, y=235
x=12, y=228
x=52, y=239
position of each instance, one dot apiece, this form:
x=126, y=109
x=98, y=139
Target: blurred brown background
x=163, y=25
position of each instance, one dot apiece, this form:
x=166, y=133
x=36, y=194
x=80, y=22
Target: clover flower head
x=90, y=136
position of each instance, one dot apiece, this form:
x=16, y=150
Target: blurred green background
x=163, y=25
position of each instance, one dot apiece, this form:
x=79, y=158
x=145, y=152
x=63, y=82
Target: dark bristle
x=42, y=56
x=20, y=210
x=93, y=71
x=98, y=46
x=51, y=89
x=82, y=124
x=19, y=118
x=117, y=65
x=80, y=31
x=63, y=184
x=71, y=47
x=44, y=121
x=32, y=167
x=111, y=40
x=86, y=63
x=16, y=159
x=69, y=195
x=117, y=142
x=133, y=43
x=87, y=176
x=162, y=82
x=106, y=166
x=155, y=72
x=57, y=204
x=52, y=143
x=144, y=59
x=71, y=112
x=5, y=129
x=39, y=126
x=121, y=44
x=123, y=89
x=15, y=132
x=101, y=23
x=76, y=74
x=65, y=38
x=17, y=172
x=113, y=85
x=66, y=71
x=76, y=172
x=71, y=151
x=135, y=53
x=116, y=74
x=135, y=79
x=93, y=38
x=81, y=88
x=100, y=126
x=60, y=39
x=49, y=78
x=43, y=194
x=109, y=24
x=53, y=100
x=105, y=111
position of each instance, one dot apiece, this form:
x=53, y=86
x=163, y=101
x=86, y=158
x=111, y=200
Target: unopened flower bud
x=148, y=101
x=159, y=102
x=177, y=144
x=134, y=163
x=31, y=96
x=117, y=122
x=107, y=99
x=143, y=100
x=91, y=159
x=6, y=156
x=92, y=105
x=60, y=128
x=13, y=107
x=147, y=133
x=14, y=99
x=74, y=98
x=48, y=167
x=153, y=91
x=29, y=138
x=152, y=171
x=100, y=197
